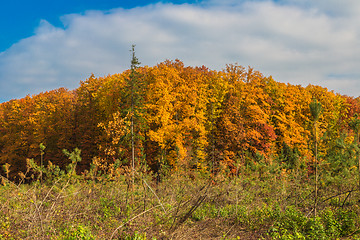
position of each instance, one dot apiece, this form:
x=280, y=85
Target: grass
x=250, y=206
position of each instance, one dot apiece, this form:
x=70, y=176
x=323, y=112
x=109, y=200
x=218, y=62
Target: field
x=261, y=202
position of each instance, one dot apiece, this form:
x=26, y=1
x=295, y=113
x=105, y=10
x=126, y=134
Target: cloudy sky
x=49, y=44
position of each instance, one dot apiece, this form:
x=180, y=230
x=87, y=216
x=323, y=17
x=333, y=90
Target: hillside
x=182, y=117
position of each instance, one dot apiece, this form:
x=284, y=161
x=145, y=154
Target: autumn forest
x=176, y=117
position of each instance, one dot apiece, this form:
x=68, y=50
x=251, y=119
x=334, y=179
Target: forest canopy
x=178, y=117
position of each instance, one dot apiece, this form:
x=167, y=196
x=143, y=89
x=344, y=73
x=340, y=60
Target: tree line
x=170, y=117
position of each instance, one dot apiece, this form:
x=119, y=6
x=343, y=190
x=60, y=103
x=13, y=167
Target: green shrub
x=137, y=236
x=78, y=233
x=293, y=224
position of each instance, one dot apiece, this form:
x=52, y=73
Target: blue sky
x=19, y=18
x=49, y=44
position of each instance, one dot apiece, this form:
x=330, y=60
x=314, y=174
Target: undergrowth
x=269, y=204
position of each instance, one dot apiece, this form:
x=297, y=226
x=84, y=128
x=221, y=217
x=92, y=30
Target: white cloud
x=296, y=41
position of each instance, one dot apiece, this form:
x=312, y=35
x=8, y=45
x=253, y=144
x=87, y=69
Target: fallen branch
x=152, y=192
x=339, y=194
x=112, y=235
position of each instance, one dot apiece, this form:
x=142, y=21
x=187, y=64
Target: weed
x=178, y=207
x=80, y=232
